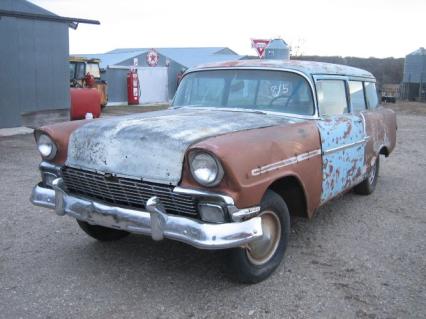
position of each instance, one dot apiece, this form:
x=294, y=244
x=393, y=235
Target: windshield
x=93, y=69
x=262, y=90
x=72, y=70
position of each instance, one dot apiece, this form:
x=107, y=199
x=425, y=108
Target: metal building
x=414, y=79
x=277, y=49
x=158, y=69
x=33, y=60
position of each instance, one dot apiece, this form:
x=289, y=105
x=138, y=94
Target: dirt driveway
x=360, y=257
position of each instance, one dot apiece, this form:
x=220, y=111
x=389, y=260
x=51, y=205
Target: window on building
x=371, y=95
x=332, y=97
x=356, y=91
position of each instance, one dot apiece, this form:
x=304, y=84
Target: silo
x=277, y=50
x=414, y=80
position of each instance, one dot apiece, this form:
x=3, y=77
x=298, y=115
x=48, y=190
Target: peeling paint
x=152, y=146
x=343, y=146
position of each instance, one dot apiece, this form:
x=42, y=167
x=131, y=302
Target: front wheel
x=102, y=233
x=259, y=259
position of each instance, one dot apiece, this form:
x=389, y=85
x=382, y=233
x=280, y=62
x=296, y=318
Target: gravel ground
x=360, y=257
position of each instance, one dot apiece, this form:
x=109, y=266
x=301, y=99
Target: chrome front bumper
x=153, y=221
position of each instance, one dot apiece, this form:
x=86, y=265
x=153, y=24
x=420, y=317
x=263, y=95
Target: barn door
x=153, y=84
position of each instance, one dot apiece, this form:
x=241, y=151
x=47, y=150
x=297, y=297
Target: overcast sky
x=361, y=28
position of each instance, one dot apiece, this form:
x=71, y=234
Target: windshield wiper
x=257, y=112
x=243, y=110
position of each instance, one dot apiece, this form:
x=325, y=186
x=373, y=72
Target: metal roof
x=306, y=67
x=277, y=44
x=27, y=10
x=110, y=58
x=420, y=51
x=188, y=57
x=191, y=57
x=206, y=50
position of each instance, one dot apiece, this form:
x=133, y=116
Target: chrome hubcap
x=261, y=250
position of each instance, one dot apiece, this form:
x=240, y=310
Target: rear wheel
x=368, y=185
x=259, y=259
x=102, y=233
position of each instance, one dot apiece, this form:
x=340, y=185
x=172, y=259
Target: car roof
x=308, y=68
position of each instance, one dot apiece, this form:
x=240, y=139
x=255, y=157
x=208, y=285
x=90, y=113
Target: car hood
x=152, y=146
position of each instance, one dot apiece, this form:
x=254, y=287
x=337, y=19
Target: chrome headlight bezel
x=46, y=146
x=214, y=163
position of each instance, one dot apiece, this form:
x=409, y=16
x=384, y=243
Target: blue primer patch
x=342, y=168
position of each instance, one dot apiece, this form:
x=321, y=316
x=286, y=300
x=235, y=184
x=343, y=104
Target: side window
x=332, y=97
x=371, y=94
x=356, y=91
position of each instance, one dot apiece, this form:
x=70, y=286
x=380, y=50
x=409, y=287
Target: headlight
x=46, y=147
x=205, y=169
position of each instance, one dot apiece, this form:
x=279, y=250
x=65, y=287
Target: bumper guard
x=153, y=221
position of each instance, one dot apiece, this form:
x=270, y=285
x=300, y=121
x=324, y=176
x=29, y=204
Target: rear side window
x=332, y=97
x=371, y=95
x=356, y=91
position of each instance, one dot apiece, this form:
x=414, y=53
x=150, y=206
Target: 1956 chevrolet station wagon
x=243, y=146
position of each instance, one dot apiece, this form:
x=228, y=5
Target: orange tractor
x=88, y=92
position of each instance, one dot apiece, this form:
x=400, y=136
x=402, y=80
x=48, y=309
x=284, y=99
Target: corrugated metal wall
x=34, y=66
x=414, y=68
x=117, y=85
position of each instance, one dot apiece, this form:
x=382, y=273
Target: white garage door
x=154, y=84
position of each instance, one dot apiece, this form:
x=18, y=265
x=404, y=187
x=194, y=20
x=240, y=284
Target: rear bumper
x=153, y=221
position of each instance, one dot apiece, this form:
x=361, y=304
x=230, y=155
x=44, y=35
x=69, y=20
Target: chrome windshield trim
x=306, y=77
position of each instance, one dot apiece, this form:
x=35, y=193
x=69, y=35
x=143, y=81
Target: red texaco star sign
x=152, y=57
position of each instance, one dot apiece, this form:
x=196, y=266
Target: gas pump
x=133, y=88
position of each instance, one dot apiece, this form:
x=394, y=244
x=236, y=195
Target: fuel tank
x=83, y=101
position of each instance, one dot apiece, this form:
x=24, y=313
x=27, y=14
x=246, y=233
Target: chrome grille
x=125, y=191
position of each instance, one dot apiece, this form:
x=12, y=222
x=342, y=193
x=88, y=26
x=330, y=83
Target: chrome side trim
x=289, y=161
x=339, y=148
x=364, y=123
x=153, y=221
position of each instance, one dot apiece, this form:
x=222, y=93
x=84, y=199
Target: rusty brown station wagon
x=244, y=145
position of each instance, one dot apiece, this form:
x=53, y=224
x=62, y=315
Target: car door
x=342, y=135
x=380, y=125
